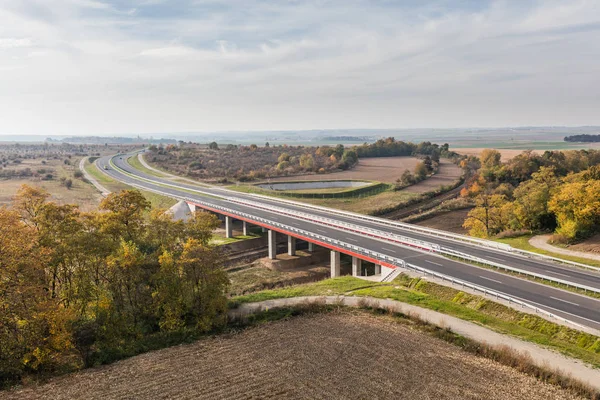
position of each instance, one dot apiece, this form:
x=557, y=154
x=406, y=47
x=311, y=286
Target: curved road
x=577, y=308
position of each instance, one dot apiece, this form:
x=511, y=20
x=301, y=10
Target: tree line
x=82, y=288
x=582, y=138
x=556, y=191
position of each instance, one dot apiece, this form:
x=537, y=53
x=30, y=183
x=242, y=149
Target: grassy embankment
x=156, y=200
x=135, y=163
x=477, y=309
x=522, y=242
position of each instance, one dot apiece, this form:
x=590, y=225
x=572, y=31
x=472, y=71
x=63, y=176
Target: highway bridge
x=393, y=247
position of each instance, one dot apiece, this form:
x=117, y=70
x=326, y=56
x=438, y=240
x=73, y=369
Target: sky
x=100, y=67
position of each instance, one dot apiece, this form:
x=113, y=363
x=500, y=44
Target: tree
x=307, y=161
x=213, y=146
x=124, y=218
x=577, y=208
x=490, y=158
x=490, y=216
x=428, y=164
x=267, y=145
x=531, y=201
x=283, y=157
x=420, y=171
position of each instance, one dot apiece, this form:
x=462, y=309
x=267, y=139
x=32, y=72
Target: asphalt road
x=577, y=308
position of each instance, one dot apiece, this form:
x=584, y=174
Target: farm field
x=382, y=169
x=451, y=221
x=448, y=174
x=314, y=356
x=81, y=193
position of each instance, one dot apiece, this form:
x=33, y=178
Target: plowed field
x=346, y=355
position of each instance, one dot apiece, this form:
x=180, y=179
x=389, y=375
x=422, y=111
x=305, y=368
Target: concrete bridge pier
x=244, y=228
x=291, y=246
x=356, y=266
x=377, y=269
x=228, y=227
x=272, y=239
x=335, y=264
x=263, y=229
x=311, y=247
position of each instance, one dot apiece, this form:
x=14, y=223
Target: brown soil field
x=446, y=175
x=382, y=169
x=507, y=154
x=342, y=355
x=451, y=221
x=591, y=244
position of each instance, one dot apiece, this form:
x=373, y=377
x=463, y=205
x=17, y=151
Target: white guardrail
x=411, y=242
x=398, y=263
x=427, y=231
x=408, y=241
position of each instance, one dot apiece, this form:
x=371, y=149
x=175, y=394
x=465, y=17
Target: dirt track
x=333, y=356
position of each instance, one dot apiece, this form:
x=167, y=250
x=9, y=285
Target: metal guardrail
x=404, y=240
x=431, y=232
x=397, y=238
x=486, y=291
x=400, y=263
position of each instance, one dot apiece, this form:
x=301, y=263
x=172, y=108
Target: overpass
x=391, y=246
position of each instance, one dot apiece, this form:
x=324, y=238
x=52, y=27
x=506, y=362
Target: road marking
x=321, y=230
x=564, y=301
x=384, y=248
x=490, y=279
x=434, y=263
x=353, y=240
x=558, y=273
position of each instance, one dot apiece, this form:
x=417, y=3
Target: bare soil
x=447, y=174
x=591, y=244
x=382, y=169
x=451, y=221
x=345, y=355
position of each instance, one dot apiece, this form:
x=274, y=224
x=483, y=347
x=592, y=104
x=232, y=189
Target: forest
x=80, y=289
x=557, y=191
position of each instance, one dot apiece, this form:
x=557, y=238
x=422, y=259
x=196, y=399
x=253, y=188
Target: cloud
x=87, y=66
x=9, y=43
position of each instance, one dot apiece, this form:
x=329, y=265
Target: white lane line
x=558, y=273
x=434, y=263
x=564, y=301
x=489, y=279
x=352, y=240
x=384, y=248
x=321, y=230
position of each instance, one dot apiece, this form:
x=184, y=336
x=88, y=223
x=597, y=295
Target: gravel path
x=105, y=192
x=542, y=356
x=541, y=242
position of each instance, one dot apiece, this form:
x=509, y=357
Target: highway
x=574, y=307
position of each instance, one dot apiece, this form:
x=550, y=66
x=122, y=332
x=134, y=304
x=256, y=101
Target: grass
x=522, y=242
x=368, y=205
x=220, y=240
x=477, y=309
x=156, y=200
x=136, y=163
